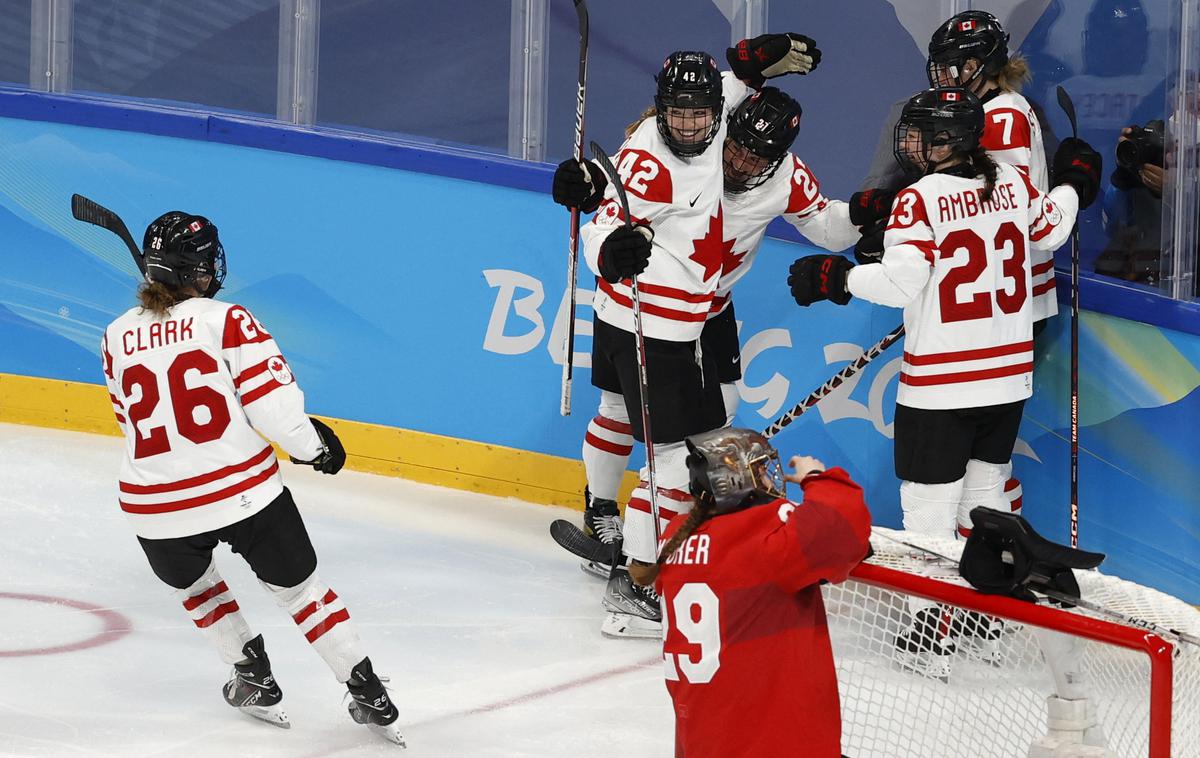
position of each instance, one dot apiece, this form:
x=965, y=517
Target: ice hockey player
x=676, y=247
x=748, y=660
x=957, y=260
x=194, y=382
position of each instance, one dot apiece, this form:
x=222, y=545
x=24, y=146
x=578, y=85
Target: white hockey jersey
x=680, y=199
x=961, y=270
x=195, y=393
x=1011, y=134
x=794, y=193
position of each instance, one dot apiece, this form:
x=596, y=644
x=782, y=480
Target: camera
x=1143, y=144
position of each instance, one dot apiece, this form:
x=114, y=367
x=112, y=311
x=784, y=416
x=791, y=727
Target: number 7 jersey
x=195, y=393
x=961, y=270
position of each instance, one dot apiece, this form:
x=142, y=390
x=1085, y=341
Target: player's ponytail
x=985, y=166
x=629, y=130
x=157, y=298
x=645, y=573
x=1015, y=73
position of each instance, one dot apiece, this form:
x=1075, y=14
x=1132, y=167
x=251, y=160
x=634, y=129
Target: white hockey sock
x=215, y=613
x=325, y=622
x=606, y=446
x=983, y=485
x=671, y=478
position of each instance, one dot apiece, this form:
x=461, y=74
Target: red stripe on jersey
x=241, y=329
x=1002, y=122
x=967, y=355
x=643, y=505
x=651, y=308
x=964, y=532
x=107, y=358
x=613, y=426
x=314, y=634
x=195, y=502
x=196, y=481
x=302, y=615
x=217, y=614
x=251, y=372
x=718, y=304
x=1043, y=232
x=1042, y=268
x=646, y=288
x=1043, y=288
x=1032, y=190
x=965, y=376
x=195, y=601
x=260, y=391
x=608, y=447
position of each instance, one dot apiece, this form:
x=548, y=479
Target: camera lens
x=1128, y=155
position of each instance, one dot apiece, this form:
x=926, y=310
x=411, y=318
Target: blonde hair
x=645, y=573
x=1015, y=74
x=629, y=130
x=158, y=298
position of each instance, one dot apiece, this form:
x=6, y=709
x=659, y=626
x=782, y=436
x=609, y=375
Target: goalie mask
x=971, y=34
x=183, y=251
x=934, y=125
x=689, y=102
x=733, y=466
x=761, y=131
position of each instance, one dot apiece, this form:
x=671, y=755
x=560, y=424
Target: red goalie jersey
x=746, y=649
x=195, y=393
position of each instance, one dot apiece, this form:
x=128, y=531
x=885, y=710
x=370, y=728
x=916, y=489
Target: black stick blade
x=573, y=540
x=1064, y=102
x=607, y=165
x=91, y=212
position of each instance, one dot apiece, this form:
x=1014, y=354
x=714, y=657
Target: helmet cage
x=732, y=465
x=761, y=131
x=689, y=101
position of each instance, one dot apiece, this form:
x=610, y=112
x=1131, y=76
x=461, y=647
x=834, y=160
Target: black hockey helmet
x=734, y=467
x=180, y=248
x=761, y=131
x=1113, y=22
x=689, y=80
x=941, y=116
x=970, y=34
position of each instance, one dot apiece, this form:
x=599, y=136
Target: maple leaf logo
x=711, y=250
x=732, y=260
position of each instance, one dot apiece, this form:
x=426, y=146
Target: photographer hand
x=1152, y=177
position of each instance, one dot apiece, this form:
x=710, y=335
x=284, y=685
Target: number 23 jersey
x=746, y=647
x=195, y=393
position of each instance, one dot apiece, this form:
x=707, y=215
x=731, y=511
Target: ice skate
x=633, y=610
x=252, y=688
x=371, y=705
x=601, y=521
x=925, y=649
x=978, y=636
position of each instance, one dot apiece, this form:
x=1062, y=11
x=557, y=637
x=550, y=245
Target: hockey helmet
x=761, y=131
x=941, y=116
x=733, y=465
x=1116, y=38
x=970, y=34
x=181, y=250
x=689, y=102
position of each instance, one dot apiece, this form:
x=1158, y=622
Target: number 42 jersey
x=746, y=645
x=195, y=393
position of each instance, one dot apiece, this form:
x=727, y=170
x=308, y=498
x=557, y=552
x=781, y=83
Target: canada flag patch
x=196, y=226
x=966, y=26
x=950, y=97
x=279, y=369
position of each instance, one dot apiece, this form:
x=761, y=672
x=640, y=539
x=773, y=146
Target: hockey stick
x=564, y=400
x=573, y=539
x=834, y=382
x=639, y=341
x=1064, y=101
x=1062, y=597
x=91, y=212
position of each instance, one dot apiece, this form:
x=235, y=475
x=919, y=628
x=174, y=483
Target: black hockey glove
x=869, y=206
x=333, y=455
x=770, y=55
x=576, y=189
x=820, y=277
x=1077, y=164
x=869, y=248
x=625, y=253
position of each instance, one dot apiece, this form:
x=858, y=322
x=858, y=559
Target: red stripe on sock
x=332, y=620
x=1016, y=505
x=195, y=601
x=612, y=426
x=217, y=614
x=312, y=607
x=609, y=447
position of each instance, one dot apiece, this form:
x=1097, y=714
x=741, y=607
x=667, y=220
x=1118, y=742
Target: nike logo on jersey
x=693, y=203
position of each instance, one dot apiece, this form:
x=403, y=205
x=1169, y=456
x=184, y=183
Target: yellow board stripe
x=419, y=456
